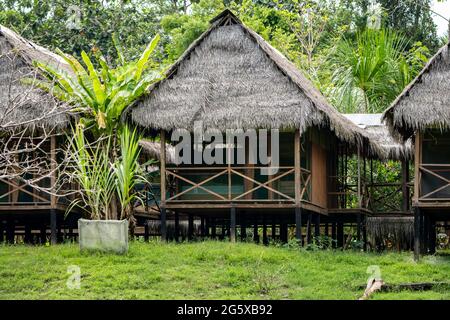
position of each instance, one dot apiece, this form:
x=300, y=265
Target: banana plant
x=102, y=95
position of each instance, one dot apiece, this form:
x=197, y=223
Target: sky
x=442, y=8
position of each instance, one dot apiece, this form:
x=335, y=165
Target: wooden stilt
x=334, y=234
x=190, y=227
x=224, y=231
x=432, y=236
x=264, y=231
x=163, y=224
x=2, y=230
x=358, y=227
x=308, y=229
x=43, y=234
x=10, y=232
x=243, y=228
x=364, y=232
x=274, y=228
x=298, y=225
x=202, y=227
x=317, y=225
x=53, y=227
x=326, y=231
x=28, y=238
x=213, y=229
x=233, y=224
x=255, y=231
x=284, y=232
x=177, y=226
x=146, y=231
x=417, y=227
x=207, y=225
x=340, y=234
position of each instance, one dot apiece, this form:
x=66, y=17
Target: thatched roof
x=21, y=103
x=379, y=133
x=153, y=150
x=425, y=102
x=231, y=78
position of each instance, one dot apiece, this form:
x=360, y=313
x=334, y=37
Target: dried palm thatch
x=425, y=102
x=230, y=78
x=378, y=132
x=21, y=105
x=153, y=150
x=390, y=232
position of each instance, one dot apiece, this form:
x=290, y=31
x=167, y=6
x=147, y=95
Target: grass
x=210, y=270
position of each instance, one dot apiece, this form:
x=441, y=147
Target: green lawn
x=210, y=270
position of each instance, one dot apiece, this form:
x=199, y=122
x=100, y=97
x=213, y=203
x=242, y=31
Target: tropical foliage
x=100, y=96
x=372, y=70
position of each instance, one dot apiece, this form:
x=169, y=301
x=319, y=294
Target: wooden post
x=255, y=231
x=405, y=188
x=53, y=164
x=340, y=234
x=190, y=226
x=265, y=239
x=28, y=238
x=298, y=225
x=326, y=231
x=417, y=162
x=233, y=224
x=432, y=236
x=317, y=225
x=10, y=231
x=2, y=238
x=274, y=228
x=243, y=228
x=213, y=228
x=308, y=229
x=284, y=232
x=43, y=234
x=177, y=226
x=417, y=228
x=202, y=227
x=297, y=168
x=359, y=178
x=53, y=227
x=163, y=186
x=163, y=224
x=146, y=231
x=333, y=234
x=364, y=232
x=358, y=226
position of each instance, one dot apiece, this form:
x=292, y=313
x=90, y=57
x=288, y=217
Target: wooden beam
x=190, y=226
x=359, y=177
x=53, y=164
x=417, y=162
x=233, y=224
x=53, y=227
x=163, y=224
x=405, y=187
x=417, y=226
x=297, y=167
x=163, y=167
x=298, y=225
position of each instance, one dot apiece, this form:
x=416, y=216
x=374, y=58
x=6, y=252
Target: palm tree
x=369, y=72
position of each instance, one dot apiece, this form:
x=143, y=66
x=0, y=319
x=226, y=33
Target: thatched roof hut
x=425, y=102
x=230, y=77
x=21, y=104
x=379, y=132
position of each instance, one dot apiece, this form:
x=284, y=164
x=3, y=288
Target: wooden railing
x=441, y=173
x=236, y=184
x=15, y=189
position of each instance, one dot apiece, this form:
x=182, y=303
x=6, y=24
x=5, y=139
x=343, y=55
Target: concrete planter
x=103, y=235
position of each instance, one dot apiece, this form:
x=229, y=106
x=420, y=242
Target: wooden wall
x=319, y=175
